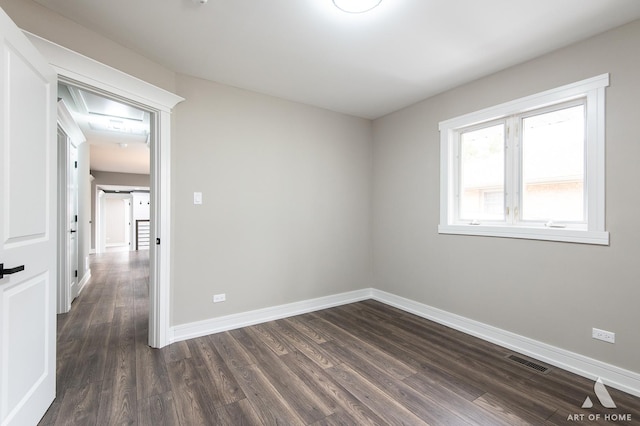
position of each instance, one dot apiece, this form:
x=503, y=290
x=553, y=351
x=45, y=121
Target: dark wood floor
x=364, y=363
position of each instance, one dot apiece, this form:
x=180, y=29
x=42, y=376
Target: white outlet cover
x=197, y=198
x=604, y=335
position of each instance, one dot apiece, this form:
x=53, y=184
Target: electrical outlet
x=217, y=298
x=605, y=336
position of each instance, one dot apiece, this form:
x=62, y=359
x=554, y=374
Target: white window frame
x=592, y=90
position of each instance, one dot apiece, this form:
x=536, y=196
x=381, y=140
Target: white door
x=72, y=219
x=68, y=214
x=27, y=229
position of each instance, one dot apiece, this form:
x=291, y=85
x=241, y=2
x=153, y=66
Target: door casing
x=73, y=137
x=76, y=69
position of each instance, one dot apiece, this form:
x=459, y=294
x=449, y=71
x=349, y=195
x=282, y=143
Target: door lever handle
x=9, y=271
x=73, y=231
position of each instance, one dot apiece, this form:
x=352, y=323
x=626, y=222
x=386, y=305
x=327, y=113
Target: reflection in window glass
x=553, y=166
x=482, y=174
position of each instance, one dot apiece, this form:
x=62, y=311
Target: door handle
x=73, y=231
x=9, y=271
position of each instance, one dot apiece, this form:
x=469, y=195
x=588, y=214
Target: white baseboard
x=244, y=319
x=616, y=377
x=84, y=281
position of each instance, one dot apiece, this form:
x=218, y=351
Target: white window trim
x=594, y=233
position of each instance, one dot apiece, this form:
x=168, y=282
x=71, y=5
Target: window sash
x=520, y=154
x=589, y=92
x=513, y=181
x=458, y=172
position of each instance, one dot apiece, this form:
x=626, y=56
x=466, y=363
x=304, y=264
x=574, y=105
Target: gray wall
x=552, y=292
x=286, y=201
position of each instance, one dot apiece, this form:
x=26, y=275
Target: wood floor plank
x=152, y=377
x=233, y=353
x=91, y=362
x=268, y=334
x=222, y=385
x=452, y=402
x=306, y=403
x=176, y=352
x=158, y=410
x=80, y=405
x=124, y=290
x=301, y=342
x=337, y=398
x=270, y=407
x=103, y=311
x=191, y=394
x=349, y=342
x=509, y=413
x=307, y=329
x=118, y=400
x=419, y=404
x=67, y=351
x=240, y=413
x=76, y=324
x=391, y=411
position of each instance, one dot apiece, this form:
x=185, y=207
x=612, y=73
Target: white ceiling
x=116, y=132
x=368, y=64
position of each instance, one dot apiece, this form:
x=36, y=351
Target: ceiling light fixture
x=356, y=6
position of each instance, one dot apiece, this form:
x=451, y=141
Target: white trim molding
x=75, y=66
x=245, y=319
x=616, y=377
x=83, y=282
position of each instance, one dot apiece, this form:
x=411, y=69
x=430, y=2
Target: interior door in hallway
x=28, y=172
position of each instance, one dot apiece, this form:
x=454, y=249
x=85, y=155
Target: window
x=531, y=168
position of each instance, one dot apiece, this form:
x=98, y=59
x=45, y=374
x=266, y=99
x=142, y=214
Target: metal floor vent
x=527, y=363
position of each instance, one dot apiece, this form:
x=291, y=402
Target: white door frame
x=74, y=137
x=80, y=70
x=98, y=227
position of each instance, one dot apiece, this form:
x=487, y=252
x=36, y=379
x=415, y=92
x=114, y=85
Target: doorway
x=118, y=226
x=116, y=163
x=74, y=68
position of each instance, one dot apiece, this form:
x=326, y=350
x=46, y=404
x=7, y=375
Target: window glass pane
x=553, y=166
x=482, y=174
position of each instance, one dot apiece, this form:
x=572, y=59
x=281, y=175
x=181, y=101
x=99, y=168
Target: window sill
x=533, y=233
